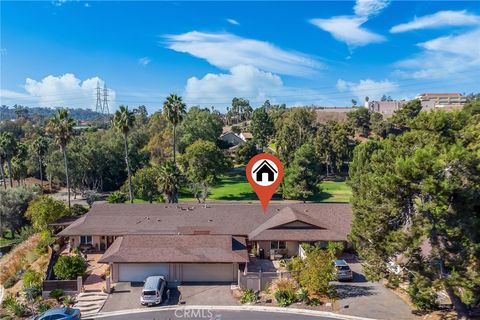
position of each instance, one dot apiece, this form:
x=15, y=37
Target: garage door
x=140, y=271
x=208, y=272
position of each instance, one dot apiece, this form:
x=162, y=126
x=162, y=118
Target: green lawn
x=235, y=187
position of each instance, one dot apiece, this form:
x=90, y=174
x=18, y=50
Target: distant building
x=447, y=101
x=386, y=108
x=327, y=114
x=231, y=138
x=246, y=136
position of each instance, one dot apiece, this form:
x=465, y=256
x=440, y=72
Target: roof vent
x=159, y=220
x=306, y=210
x=278, y=209
x=191, y=208
x=210, y=220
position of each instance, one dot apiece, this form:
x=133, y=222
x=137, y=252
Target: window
x=278, y=245
x=85, y=239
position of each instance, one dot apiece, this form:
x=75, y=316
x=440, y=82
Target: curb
x=328, y=314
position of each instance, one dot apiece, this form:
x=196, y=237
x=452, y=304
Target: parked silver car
x=343, y=270
x=153, y=290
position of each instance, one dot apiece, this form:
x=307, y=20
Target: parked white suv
x=153, y=290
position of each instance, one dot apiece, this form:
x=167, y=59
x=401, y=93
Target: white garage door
x=140, y=271
x=208, y=272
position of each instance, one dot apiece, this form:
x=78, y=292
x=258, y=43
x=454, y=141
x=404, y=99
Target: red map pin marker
x=264, y=172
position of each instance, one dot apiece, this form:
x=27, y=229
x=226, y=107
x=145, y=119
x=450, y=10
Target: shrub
x=46, y=239
x=422, y=293
x=248, y=296
x=56, y=293
x=284, y=297
x=336, y=248
x=42, y=307
x=68, y=300
x=69, y=267
x=296, y=264
x=10, y=282
x=284, y=284
x=44, y=210
x=32, y=278
x=301, y=295
x=13, y=307
x=78, y=210
x=117, y=197
x=314, y=302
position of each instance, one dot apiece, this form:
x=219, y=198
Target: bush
x=13, y=307
x=68, y=300
x=247, y=296
x=69, y=267
x=42, y=307
x=314, y=302
x=10, y=282
x=46, y=239
x=78, y=210
x=284, y=297
x=301, y=295
x=32, y=278
x=117, y=197
x=422, y=293
x=296, y=264
x=56, y=293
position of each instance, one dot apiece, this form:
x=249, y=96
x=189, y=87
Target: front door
x=109, y=241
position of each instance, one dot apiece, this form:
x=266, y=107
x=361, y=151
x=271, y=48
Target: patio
x=261, y=265
x=95, y=280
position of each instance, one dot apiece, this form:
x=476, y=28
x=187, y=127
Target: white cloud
x=144, y=61
x=233, y=21
x=62, y=91
x=58, y=3
x=348, y=29
x=87, y=5
x=225, y=50
x=365, y=8
x=439, y=19
x=368, y=87
x=241, y=81
x=443, y=57
x=247, y=82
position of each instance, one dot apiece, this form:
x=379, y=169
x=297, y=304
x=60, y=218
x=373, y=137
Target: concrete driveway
x=370, y=299
x=127, y=296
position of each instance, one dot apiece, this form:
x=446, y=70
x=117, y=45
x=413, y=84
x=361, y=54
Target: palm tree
x=9, y=150
x=60, y=126
x=124, y=120
x=174, y=110
x=169, y=181
x=40, y=148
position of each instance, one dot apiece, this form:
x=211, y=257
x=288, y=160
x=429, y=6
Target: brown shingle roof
x=177, y=248
x=284, y=216
x=221, y=219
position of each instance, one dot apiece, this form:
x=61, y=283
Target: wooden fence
x=258, y=281
x=65, y=285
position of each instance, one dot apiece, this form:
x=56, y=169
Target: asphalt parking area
x=370, y=299
x=127, y=296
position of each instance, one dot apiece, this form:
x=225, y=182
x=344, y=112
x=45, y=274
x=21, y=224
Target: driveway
x=370, y=299
x=127, y=296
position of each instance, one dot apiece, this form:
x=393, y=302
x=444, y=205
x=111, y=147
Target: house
x=231, y=138
x=266, y=168
x=246, y=136
x=201, y=243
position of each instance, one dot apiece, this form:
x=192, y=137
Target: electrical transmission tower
x=102, y=105
x=105, y=110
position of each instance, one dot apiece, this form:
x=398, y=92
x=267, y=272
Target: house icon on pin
x=264, y=167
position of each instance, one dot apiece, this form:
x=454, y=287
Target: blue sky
x=53, y=53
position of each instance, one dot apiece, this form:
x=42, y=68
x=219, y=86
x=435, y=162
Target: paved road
x=211, y=315
x=370, y=299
